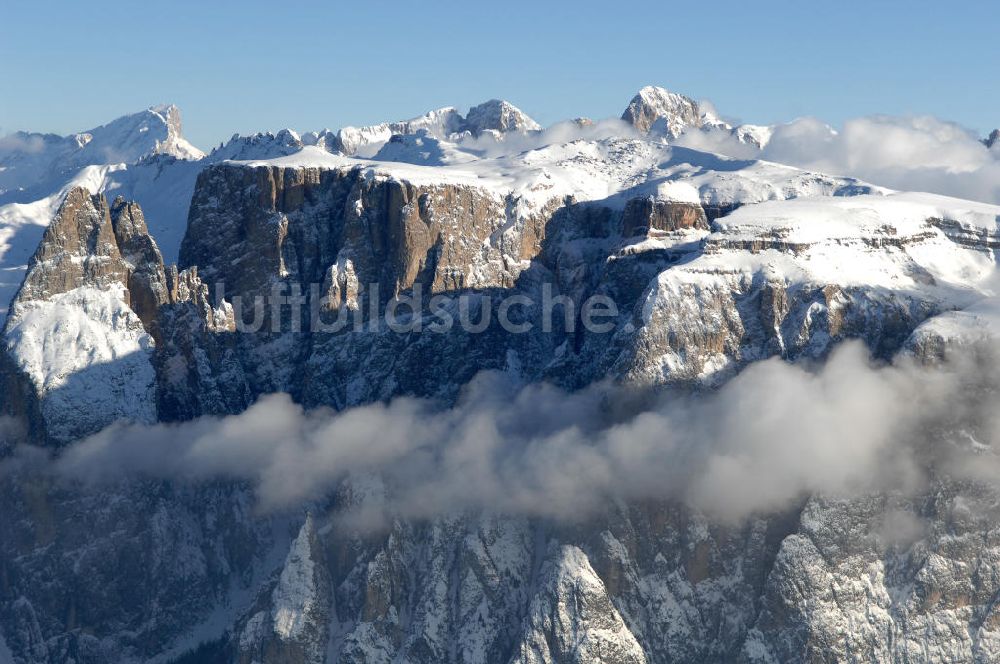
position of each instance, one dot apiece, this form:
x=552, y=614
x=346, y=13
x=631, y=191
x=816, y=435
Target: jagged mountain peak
x=495, y=116
x=498, y=115
x=350, y=140
x=656, y=109
x=262, y=145
x=155, y=130
x=169, y=114
x=33, y=159
x=654, y=93
x=659, y=112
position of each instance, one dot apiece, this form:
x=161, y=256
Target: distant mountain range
x=126, y=254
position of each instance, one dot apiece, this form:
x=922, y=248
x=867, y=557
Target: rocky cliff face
x=668, y=113
x=78, y=249
x=148, y=571
x=74, y=345
x=362, y=240
x=82, y=333
x=291, y=621
x=499, y=116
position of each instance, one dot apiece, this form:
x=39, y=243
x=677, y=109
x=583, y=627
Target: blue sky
x=248, y=66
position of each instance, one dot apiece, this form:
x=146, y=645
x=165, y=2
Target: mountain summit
x=493, y=489
x=30, y=159
x=164, y=121
x=494, y=116
x=657, y=110
x=500, y=116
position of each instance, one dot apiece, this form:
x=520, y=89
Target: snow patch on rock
x=87, y=353
x=295, y=595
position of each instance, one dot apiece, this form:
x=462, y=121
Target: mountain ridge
x=178, y=485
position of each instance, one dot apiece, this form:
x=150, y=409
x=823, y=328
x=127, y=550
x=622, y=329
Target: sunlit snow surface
x=295, y=594
x=87, y=353
x=142, y=157
x=793, y=225
x=840, y=219
x=611, y=170
x=865, y=240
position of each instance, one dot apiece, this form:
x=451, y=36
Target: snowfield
x=87, y=353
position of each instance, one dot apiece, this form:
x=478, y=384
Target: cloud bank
x=919, y=153
x=765, y=441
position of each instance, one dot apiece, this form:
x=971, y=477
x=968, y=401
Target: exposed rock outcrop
x=138, y=566
x=648, y=216
x=298, y=223
x=78, y=249
x=78, y=334
x=650, y=582
x=291, y=624
x=145, y=276
x=658, y=110
x=499, y=116
x=572, y=619
x=198, y=369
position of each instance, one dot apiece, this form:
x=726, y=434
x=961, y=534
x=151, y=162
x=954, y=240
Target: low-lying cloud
x=765, y=441
x=920, y=153
x=21, y=142
x=914, y=153
x=488, y=145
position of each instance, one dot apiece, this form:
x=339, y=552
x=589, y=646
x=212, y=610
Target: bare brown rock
x=79, y=248
x=146, y=280
x=295, y=223
x=647, y=216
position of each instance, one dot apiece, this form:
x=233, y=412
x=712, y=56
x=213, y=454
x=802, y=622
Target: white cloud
x=909, y=153
x=774, y=435
x=21, y=142
x=488, y=145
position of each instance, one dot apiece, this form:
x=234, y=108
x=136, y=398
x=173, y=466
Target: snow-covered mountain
x=496, y=117
x=145, y=158
x=657, y=111
x=259, y=146
x=33, y=160
x=160, y=466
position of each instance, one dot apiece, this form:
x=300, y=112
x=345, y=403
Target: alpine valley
x=124, y=250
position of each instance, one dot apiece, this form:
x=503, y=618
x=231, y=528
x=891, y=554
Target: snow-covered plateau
x=176, y=489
